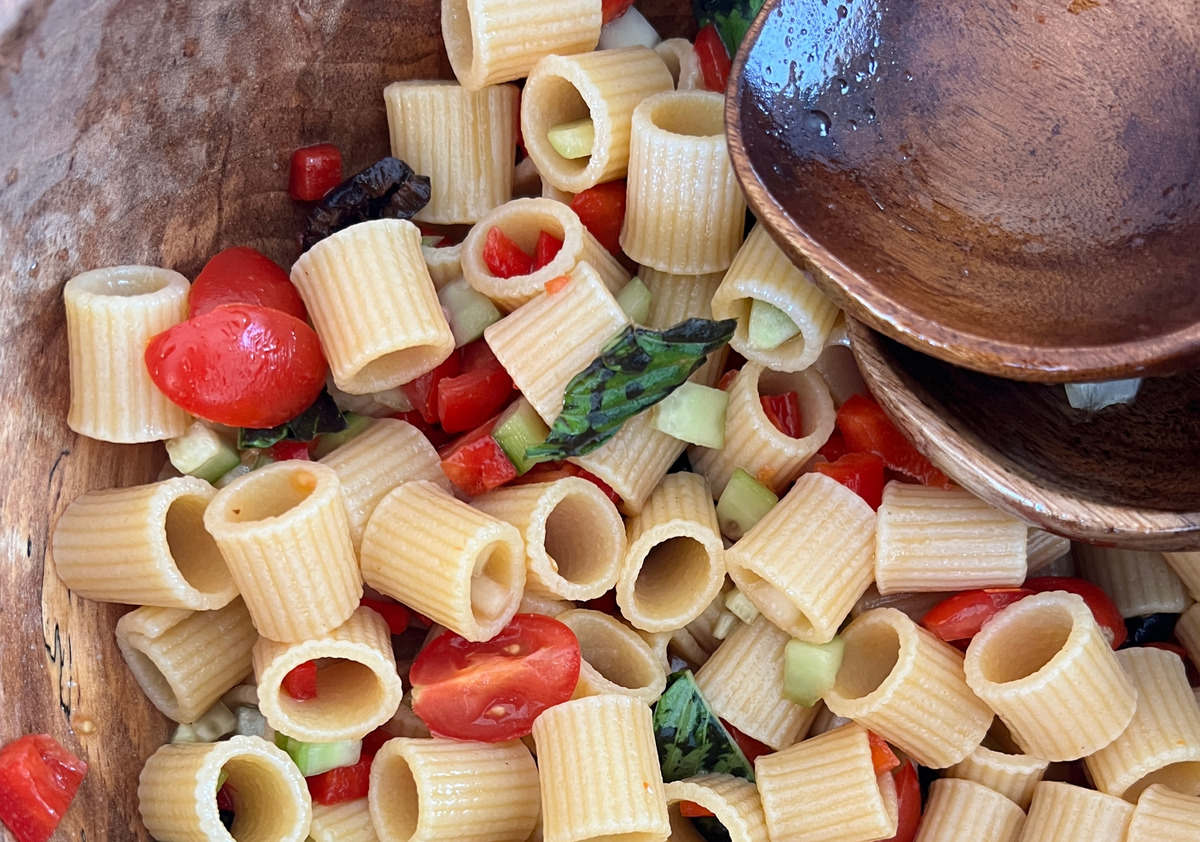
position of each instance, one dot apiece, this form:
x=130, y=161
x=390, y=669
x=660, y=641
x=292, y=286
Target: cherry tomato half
x=960, y=617
x=244, y=276
x=908, y=808
x=239, y=365
x=493, y=690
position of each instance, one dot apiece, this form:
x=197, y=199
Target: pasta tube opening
x=869, y=664
x=196, y=554
x=1042, y=636
x=266, y=801
x=262, y=496
x=687, y=117
x=400, y=812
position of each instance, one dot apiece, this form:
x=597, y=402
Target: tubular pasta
x=675, y=298
x=616, y=660
x=1012, y=775
x=733, y=801
x=1187, y=630
x=1061, y=811
x=633, y=462
x=443, y=262
x=349, y=821
x=1162, y=814
x=1043, y=548
x=1187, y=568
x=1139, y=582
x=681, y=60
x=959, y=809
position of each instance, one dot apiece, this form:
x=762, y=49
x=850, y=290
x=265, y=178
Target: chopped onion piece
x=629, y=30
x=1096, y=396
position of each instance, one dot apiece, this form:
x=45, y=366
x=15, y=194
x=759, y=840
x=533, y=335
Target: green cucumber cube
x=810, y=669
x=468, y=311
x=740, y=605
x=201, y=452
x=634, y=299
x=315, y=758
x=744, y=502
x=573, y=140
x=769, y=327
x=693, y=413
x=517, y=430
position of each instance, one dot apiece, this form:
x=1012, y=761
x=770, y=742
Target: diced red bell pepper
x=692, y=810
x=345, y=783
x=483, y=389
x=315, y=170
x=475, y=463
x=393, y=613
x=422, y=392
x=750, y=747
x=38, y=780
x=547, y=248
x=301, y=681
x=834, y=447
x=1107, y=615
x=883, y=759
x=866, y=427
x=784, y=412
x=862, y=473
x=601, y=209
x=714, y=59
x=908, y=796
x=610, y=10
x=281, y=451
x=551, y=471
x=961, y=616
x=503, y=257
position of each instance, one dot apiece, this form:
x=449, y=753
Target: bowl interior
x=1009, y=186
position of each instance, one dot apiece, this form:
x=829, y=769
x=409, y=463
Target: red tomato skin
x=475, y=463
x=503, y=257
x=301, y=681
x=242, y=275
x=393, y=613
x=783, y=411
x=314, y=171
x=239, y=365
x=862, y=473
x=961, y=616
x=908, y=796
x=281, y=451
x=715, y=63
x=466, y=401
x=38, y=781
x=865, y=426
x=493, y=690
x=601, y=209
x=610, y=10
x=422, y=391
x=345, y=783
x=1103, y=608
x=750, y=747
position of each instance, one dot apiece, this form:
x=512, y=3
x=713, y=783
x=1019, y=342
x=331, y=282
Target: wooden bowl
x=148, y=133
x=1011, y=187
x=1125, y=476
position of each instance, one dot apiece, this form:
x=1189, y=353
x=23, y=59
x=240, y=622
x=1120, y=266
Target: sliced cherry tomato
x=866, y=427
x=283, y=450
x=315, y=170
x=503, y=257
x=422, y=392
x=475, y=463
x=714, y=59
x=601, y=209
x=1107, y=615
x=908, y=796
x=239, y=365
x=750, y=747
x=479, y=392
x=244, y=276
x=393, y=613
x=882, y=757
x=960, y=617
x=547, y=248
x=38, y=780
x=692, y=810
x=784, y=412
x=494, y=690
x=345, y=783
x=301, y=681
x=862, y=473
x=612, y=9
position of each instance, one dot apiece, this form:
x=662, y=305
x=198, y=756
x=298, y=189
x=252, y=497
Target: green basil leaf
x=636, y=370
x=691, y=739
x=322, y=416
x=731, y=17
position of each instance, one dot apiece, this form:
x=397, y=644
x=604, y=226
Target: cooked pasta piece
x=491, y=41
x=574, y=536
x=1061, y=811
x=685, y=212
x=1045, y=666
x=523, y=221
x=1187, y=568
x=177, y=792
x=358, y=688
x=456, y=565
x=616, y=660
x=1161, y=744
x=753, y=442
x=603, y=87
x=1163, y=815
x=675, y=298
x=1043, y=548
x=633, y=462
x=144, y=545
x=374, y=305
x=464, y=140
x=1012, y=775
x=934, y=539
x=535, y=603
x=1139, y=581
x=679, y=54
x=743, y=683
x=907, y=686
x=383, y=456
x=111, y=314
x=443, y=262
x=554, y=337
x=436, y=789
x=733, y=801
x=959, y=809
x=599, y=771
x=284, y=533
x=1187, y=630
x=807, y=562
x=825, y=790
x=675, y=564
x=348, y=821
x=185, y=661
x=761, y=272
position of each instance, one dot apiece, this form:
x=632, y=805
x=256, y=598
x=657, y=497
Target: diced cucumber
x=744, y=502
x=726, y=622
x=809, y=669
x=634, y=299
x=315, y=758
x=740, y=604
x=693, y=413
x=769, y=327
x=468, y=311
x=329, y=442
x=201, y=452
x=431, y=241
x=573, y=140
x=520, y=428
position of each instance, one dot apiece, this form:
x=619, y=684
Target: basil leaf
x=636, y=370
x=691, y=739
x=322, y=416
x=731, y=17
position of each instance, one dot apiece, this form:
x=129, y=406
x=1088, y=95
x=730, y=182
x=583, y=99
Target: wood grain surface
x=156, y=133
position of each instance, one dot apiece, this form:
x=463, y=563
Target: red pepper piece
x=882, y=757
x=961, y=616
x=908, y=795
x=281, y=451
x=466, y=401
x=610, y=10
x=834, y=447
x=475, y=463
x=315, y=170
x=547, y=248
x=556, y=285
x=422, y=392
x=345, y=783
x=1107, y=615
x=393, y=613
x=601, y=209
x=692, y=810
x=862, y=473
x=714, y=59
x=866, y=427
x=301, y=681
x=38, y=780
x=784, y=412
x=750, y=747
x=503, y=257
